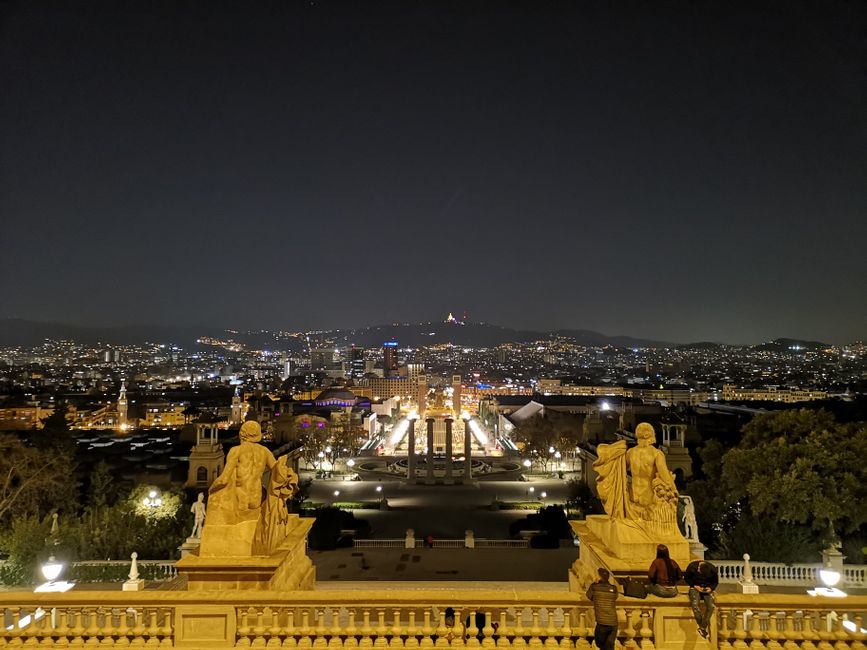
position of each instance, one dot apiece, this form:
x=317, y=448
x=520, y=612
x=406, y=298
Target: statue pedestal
x=220, y=564
x=625, y=550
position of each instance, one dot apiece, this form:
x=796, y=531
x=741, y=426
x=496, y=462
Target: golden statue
x=649, y=501
x=236, y=495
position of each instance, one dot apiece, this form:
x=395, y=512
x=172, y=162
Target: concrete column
x=430, y=451
x=468, y=453
x=449, y=422
x=410, y=467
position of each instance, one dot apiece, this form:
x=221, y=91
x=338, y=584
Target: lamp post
x=153, y=499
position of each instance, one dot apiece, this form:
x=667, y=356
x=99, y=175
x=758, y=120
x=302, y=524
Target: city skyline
x=650, y=171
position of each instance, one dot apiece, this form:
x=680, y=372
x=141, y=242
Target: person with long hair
x=664, y=573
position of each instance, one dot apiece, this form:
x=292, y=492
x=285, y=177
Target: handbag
x=633, y=588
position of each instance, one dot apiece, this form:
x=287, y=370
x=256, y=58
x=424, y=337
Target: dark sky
x=690, y=171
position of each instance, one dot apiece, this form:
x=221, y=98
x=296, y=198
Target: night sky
x=691, y=171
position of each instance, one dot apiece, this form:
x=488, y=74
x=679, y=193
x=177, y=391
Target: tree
x=34, y=481
x=101, y=486
x=795, y=482
x=801, y=467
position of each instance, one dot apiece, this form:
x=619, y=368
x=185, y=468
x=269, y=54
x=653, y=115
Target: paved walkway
x=443, y=564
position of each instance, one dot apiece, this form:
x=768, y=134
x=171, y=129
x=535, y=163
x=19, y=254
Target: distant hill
x=790, y=345
x=17, y=332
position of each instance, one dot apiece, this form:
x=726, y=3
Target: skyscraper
x=389, y=358
x=356, y=362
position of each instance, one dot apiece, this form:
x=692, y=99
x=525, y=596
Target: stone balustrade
x=412, y=618
x=789, y=575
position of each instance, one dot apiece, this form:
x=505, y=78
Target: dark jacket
x=603, y=595
x=695, y=579
x=659, y=575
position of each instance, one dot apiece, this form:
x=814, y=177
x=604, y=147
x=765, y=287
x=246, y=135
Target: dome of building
x=336, y=397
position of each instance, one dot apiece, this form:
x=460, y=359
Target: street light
x=379, y=488
x=153, y=499
x=528, y=463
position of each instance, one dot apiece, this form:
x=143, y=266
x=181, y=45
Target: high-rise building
x=389, y=358
x=356, y=362
x=122, y=406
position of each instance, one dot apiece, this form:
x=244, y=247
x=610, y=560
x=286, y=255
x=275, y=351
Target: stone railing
x=789, y=575
x=413, y=618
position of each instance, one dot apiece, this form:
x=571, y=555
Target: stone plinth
x=623, y=549
x=216, y=568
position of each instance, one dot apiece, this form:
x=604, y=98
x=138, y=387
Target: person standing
x=664, y=573
x=603, y=595
x=703, y=579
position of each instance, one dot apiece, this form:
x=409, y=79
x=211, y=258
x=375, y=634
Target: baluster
x=77, y=630
x=551, y=631
x=412, y=631
x=790, y=634
x=273, y=629
x=334, y=632
x=351, y=639
x=774, y=632
x=646, y=632
x=472, y=631
x=724, y=630
x=858, y=636
x=839, y=634
x=259, y=630
x=321, y=640
x=628, y=630
x=739, y=633
x=47, y=628
x=535, y=642
x=825, y=634
x=91, y=632
x=366, y=630
x=107, y=630
x=519, y=643
x=755, y=633
x=426, y=631
x=14, y=632
x=565, y=632
x=153, y=630
x=808, y=633
x=381, y=630
x=290, y=640
x=34, y=629
x=396, y=632
x=582, y=632
x=138, y=630
x=60, y=619
x=488, y=632
x=305, y=630
x=441, y=631
x=503, y=632
x=244, y=630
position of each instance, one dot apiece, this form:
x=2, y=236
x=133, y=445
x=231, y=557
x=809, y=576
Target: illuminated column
x=448, y=478
x=421, y=397
x=410, y=467
x=468, y=453
x=430, y=454
x=456, y=395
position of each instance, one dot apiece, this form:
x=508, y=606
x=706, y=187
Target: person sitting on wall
x=664, y=573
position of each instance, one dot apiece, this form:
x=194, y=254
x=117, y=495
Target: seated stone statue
x=236, y=496
x=635, y=485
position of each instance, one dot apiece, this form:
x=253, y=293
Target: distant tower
x=236, y=408
x=122, y=407
x=206, y=457
x=456, y=395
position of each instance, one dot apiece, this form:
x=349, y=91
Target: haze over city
x=631, y=170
